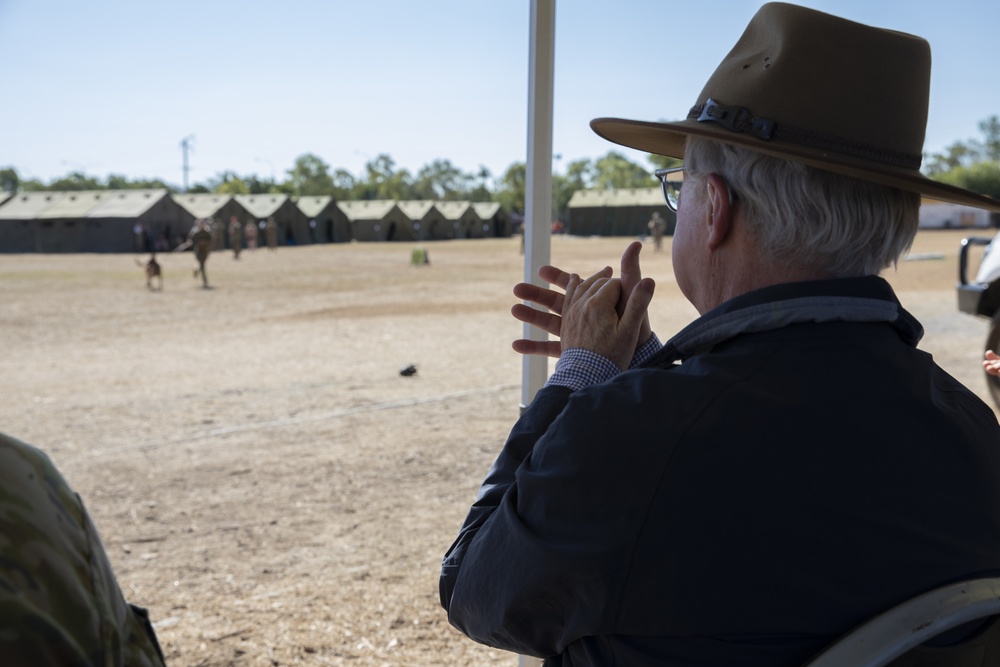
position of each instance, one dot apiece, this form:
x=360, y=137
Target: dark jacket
x=802, y=468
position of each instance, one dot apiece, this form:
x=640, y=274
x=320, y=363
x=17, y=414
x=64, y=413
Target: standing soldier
x=250, y=231
x=235, y=236
x=218, y=232
x=201, y=240
x=657, y=226
x=271, y=231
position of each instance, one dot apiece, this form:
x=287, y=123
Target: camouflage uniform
x=236, y=237
x=201, y=238
x=271, y=231
x=59, y=601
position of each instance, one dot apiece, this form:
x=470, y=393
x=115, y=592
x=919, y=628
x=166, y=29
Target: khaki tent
x=141, y=220
x=91, y=221
x=463, y=221
x=331, y=225
x=426, y=222
x=374, y=220
x=492, y=219
x=205, y=205
x=624, y=212
x=293, y=225
x=61, y=226
x=18, y=230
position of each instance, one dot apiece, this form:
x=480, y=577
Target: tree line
x=973, y=164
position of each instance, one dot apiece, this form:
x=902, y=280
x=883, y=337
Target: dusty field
x=265, y=480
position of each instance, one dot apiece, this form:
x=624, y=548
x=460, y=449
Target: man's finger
x=638, y=302
x=545, y=298
x=630, y=272
x=548, y=348
x=545, y=321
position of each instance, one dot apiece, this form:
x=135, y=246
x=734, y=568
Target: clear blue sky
x=113, y=86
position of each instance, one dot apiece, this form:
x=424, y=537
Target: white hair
x=808, y=217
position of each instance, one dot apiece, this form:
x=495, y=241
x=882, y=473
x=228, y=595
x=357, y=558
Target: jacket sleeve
x=544, y=550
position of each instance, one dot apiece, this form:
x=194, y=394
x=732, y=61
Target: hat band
x=739, y=119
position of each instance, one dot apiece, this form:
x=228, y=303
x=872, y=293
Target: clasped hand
x=603, y=314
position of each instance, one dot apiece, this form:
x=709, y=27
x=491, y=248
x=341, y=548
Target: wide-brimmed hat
x=817, y=89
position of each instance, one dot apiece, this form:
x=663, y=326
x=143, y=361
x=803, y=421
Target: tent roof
x=623, y=197
x=128, y=203
x=313, y=205
x=486, y=209
x=415, y=209
x=365, y=209
x=75, y=204
x=453, y=210
x=261, y=206
x=27, y=205
x=202, y=204
x=4, y=196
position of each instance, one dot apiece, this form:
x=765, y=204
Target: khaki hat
x=817, y=89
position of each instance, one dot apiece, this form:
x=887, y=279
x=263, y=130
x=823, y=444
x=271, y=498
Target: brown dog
x=152, y=271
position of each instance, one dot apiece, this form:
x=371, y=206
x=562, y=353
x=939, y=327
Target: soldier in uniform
x=235, y=236
x=201, y=240
x=657, y=226
x=250, y=232
x=60, y=603
x=271, y=231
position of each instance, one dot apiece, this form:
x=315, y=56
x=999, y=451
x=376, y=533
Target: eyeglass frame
x=671, y=189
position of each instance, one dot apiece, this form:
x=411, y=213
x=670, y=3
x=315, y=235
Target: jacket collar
x=866, y=299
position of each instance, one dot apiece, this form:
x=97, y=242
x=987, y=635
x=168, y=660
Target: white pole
x=538, y=195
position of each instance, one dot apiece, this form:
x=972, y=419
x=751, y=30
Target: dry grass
x=265, y=480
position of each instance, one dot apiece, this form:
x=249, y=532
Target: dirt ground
x=265, y=480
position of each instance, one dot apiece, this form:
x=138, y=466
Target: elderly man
x=787, y=465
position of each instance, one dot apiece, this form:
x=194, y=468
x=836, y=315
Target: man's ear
x=720, y=211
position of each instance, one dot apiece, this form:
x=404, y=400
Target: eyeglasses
x=671, y=189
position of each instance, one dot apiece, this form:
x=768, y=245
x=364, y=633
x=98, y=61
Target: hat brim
x=670, y=138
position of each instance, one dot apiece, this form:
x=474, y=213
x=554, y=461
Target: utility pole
x=185, y=147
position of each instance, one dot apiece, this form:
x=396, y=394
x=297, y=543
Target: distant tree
x=381, y=180
x=33, y=185
x=981, y=177
x=512, y=188
x=9, y=180
x=229, y=183
x=580, y=174
x=344, y=183
x=479, y=193
x=484, y=175
x=954, y=156
x=119, y=182
x=614, y=171
x=442, y=180
x=967, y=153
x=76, y=180
x=991, y=135
x=310, y=175
x=262, y=186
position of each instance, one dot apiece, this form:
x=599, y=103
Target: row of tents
x=626, y=212
x=143, y=220
x=134, y=220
